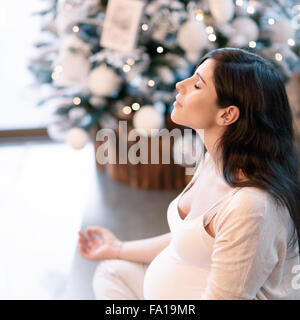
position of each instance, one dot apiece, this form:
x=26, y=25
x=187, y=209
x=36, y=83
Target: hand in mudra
x=94, y=247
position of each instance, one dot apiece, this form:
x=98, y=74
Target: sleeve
x=244, y=252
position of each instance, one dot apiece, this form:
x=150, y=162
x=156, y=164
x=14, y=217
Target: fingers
x=84, y=252
x=87, y=253
x=90, y=230
x=81, y=234
x=82, y=238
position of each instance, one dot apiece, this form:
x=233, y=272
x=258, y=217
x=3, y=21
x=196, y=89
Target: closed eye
x=196, y=86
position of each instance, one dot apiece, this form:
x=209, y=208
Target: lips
x=178, y=103
x=178, y=100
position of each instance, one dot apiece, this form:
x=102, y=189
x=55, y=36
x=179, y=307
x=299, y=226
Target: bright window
x=18, y=30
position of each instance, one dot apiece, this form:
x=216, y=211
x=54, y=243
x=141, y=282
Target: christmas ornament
x=245, y=30
x=71, y=60
x=103, y=81
x=147, y=118
x=192, y=37
x=77, y=138
x=222, y=11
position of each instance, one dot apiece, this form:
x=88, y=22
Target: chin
x=180, y=120
x=177, y=119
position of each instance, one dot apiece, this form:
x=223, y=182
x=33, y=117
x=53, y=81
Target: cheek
x=201, y=110
x=198, y=106
x=198, y=112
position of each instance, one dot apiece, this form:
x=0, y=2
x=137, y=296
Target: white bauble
x=187, y=150
x=70, y=69
x=147, y=118
x=192, y=36
x=221, y=10
x=103, y=81
x=282, y=30
x=246, y=29
x=77, y=138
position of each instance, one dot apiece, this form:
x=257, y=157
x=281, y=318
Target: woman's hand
x=94, y=247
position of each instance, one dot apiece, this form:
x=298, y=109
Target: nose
x=179, y=86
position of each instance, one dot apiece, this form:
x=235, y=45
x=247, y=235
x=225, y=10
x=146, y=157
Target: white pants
x=116, y=279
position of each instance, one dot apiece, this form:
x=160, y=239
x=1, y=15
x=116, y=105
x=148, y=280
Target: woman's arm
x=244, y=254
x=144, y=250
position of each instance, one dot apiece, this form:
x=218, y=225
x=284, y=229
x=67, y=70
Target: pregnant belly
x=168, y=277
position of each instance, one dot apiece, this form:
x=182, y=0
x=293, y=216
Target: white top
x=247, y=259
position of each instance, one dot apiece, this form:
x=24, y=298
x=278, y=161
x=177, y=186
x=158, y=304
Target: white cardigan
x=247, y=259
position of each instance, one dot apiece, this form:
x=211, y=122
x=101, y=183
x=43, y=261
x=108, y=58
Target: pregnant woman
x=234, y=230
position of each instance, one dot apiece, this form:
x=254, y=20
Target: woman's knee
x=117, y=269
x=106, y=267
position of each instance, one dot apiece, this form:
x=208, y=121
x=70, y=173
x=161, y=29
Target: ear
x=228, y=115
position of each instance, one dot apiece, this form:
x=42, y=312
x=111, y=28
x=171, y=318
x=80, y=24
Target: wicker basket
x=145, y=176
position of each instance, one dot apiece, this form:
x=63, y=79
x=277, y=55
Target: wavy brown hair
x=261, y=142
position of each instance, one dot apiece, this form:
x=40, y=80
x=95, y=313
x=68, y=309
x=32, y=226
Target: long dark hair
x=261, y=142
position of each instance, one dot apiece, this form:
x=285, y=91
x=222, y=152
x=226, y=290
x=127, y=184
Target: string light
x=145, y=27
x=209, y=29
x=75, y=29
x=278, y=56
x=56, y=73
x=126, y=68
x=250, y=9
x=76, y=101
x=212, y=37
x=239, y=3
x=160, y=49
x=135, y=106
x=252, y=44
x=291, y=42
x=54, y=76
x=151, y=83
x=126, y=110
x=271, y=21
x=199, y=17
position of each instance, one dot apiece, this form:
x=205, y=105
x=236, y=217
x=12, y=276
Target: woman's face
x=197, y=98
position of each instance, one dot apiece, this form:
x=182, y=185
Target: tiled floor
x=48, y=192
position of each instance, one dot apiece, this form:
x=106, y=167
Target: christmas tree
x=107, y=60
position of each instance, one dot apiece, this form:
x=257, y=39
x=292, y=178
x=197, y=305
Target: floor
x=50, y=191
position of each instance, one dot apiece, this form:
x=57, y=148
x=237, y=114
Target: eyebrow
x=198, y=74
